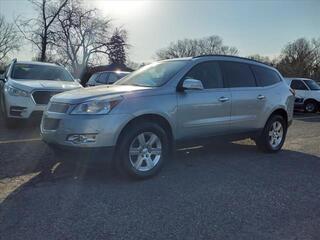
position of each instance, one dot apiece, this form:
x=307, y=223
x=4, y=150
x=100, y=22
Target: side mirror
x=78, y=80
x=192, y=84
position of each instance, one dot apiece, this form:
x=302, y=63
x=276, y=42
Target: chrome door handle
x=223, y=99
x=261, y=97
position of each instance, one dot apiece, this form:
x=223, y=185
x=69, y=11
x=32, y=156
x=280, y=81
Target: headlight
x=13, y=91
x=95, y=107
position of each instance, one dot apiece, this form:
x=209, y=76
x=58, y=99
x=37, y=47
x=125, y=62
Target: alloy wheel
x=145, y=151
x=275, y=134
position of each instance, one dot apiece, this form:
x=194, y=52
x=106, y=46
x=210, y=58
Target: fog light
x=82, y=138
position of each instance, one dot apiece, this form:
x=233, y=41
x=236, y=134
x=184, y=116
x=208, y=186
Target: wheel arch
x=311, y=100
x=152, y=117
x=279, y=111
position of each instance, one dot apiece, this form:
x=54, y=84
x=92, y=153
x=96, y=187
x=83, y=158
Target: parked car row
x=26, y=87
x=144, y=115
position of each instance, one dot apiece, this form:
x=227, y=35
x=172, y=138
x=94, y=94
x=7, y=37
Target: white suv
x=307, y=93
x=26, y=88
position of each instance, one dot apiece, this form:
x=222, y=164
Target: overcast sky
x=262, y=27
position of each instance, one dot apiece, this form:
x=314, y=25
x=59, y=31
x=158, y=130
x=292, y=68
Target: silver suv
x=142, y=117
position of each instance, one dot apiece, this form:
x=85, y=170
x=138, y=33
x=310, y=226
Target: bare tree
x=263, y=59
x=300, y=58
x=9, y=39
x=81, y=34
x=194, y=47
x=39, y=30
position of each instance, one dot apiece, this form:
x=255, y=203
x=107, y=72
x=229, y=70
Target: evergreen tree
x=117, y=47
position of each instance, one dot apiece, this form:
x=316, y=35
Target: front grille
x=58, y=107
x=51, y=123
x=43, y=97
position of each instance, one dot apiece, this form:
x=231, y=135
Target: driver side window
x=208, y=73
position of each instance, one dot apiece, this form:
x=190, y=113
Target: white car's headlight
x=13, y=91
x=96, y=106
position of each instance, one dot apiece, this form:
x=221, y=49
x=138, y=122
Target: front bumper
x=299, y=103
x=105, y=128
x=21, y=107
x=75, y=154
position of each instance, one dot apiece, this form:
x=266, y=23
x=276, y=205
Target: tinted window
x=298, y=85
x=265, y=76
x=312, y=84
x=93, y=78
x=208, y=73
x=103, y=78
x=113, y=78
x=238, y=74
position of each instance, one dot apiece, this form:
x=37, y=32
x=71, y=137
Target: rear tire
x=142, y=150
x=273, y=135
x=310, y=106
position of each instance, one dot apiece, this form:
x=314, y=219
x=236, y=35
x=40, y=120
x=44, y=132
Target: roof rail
x=221, y=55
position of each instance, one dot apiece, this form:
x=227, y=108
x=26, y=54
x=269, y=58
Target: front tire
x=142, y=150
x=310, y=106
x=273, y=135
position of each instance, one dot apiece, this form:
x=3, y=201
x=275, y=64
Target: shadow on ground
x=221, y=191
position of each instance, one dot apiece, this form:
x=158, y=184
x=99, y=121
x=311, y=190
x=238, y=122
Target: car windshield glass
x=153, y=75
x=312, y=85
x=40, y=72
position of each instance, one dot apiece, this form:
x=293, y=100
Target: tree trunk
x=43, y=56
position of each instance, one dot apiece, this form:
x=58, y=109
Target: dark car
x=106, y=77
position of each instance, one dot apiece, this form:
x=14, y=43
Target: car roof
x=297, y=78
x=37, y=63
x=224, y=58
x=111, y=72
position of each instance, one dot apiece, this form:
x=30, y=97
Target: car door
x=300, y=88
x=203, y=113
x=247, y=98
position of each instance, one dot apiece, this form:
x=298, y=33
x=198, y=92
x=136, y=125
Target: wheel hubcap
x=276, y=134
x=145, y=151
x=310, y=107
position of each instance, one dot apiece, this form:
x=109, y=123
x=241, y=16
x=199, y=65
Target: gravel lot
x=224, y=191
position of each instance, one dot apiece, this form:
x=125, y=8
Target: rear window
x=238, y=74
x=265, y=76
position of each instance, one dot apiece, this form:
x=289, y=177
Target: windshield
x=153, y=75
x=40, y=72
x=312, y=85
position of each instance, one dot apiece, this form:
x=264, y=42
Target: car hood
x=85, y=94
x=30, y=85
